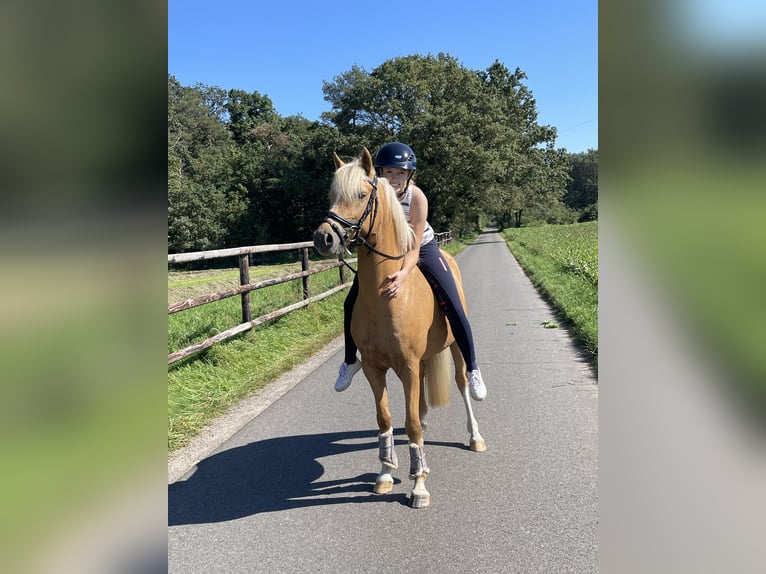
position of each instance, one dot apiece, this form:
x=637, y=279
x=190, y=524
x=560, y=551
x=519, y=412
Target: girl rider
x=397, y=163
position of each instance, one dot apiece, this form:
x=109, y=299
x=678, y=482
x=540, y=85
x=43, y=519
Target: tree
x=475, y=133
x=201, y=204
x=582, y=189
x=305, y=179
x=240, y=174
x=245, y=111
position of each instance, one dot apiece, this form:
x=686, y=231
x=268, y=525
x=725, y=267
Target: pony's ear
x=367, y=162
x=337, y=161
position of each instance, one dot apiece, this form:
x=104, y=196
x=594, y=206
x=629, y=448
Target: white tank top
x=428, y=231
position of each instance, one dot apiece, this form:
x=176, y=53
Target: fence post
x=303, y=253
x=342, y=271
x=244, y=279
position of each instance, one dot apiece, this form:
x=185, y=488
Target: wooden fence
x=443, y=238
x=245, y=287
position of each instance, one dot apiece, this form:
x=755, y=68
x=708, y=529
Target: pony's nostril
x=328, y=238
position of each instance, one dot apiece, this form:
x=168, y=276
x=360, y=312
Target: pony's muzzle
x=326, y=241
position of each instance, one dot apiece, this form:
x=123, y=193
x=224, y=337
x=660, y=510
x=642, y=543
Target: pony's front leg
x=384, y=483
x=419, y=497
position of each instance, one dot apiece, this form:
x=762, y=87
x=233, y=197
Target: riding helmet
x=396, y=154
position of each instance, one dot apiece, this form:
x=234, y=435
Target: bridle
x=350, y=234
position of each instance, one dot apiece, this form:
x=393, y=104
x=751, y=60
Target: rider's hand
x=395, y=286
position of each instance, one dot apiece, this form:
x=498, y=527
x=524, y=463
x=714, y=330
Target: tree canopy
x=240, y=174
x=582, y=189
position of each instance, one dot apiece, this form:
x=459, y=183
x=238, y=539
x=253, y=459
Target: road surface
x=291, y=490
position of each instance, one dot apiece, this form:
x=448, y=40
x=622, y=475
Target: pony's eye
x=361, y=195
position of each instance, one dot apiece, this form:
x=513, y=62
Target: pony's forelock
x=347, y=182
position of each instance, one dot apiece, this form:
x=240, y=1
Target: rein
x=352, y=236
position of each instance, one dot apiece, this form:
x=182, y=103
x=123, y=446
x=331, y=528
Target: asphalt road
x=290, y=489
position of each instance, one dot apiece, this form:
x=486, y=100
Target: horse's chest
x=389, y=332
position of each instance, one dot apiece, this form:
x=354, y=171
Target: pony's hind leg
x=477, y=443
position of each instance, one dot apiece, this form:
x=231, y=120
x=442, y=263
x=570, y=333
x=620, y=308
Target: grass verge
x=205, y=385
x=562, y=263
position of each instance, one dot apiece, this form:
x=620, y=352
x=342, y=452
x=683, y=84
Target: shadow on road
x=279, y=474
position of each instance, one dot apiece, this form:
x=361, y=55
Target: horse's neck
x=373, y=267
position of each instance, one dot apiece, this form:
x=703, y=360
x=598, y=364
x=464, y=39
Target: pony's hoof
x=419, y=500
x=478, y=445
x=383, y=487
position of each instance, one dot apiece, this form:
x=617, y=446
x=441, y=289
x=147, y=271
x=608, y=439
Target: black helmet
x=395, y=154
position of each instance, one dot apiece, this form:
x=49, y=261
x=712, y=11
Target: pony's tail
x=438, y=378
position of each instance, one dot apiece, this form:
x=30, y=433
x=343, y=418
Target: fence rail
x=443, y=238
x=245, y=287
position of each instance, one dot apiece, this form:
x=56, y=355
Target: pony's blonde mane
x=349, y=180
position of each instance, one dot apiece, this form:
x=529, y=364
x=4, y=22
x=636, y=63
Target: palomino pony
x=409, y=334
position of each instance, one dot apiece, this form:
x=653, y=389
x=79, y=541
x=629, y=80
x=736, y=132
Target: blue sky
x=285, y=49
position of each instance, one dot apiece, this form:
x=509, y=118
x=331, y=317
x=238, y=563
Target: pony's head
x=361, y=204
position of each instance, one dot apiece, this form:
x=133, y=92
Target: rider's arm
x=418, y=213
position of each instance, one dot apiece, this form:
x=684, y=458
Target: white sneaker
x=346, y=373
x=476, y=385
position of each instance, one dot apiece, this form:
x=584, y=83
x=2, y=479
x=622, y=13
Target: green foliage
x=557, y=214
x=480, y=150
x=573, y=247
x=562, y=261
x=246, y=112
x=240, y=174
x=582, y=189
x=201, y=205
x=590, y=213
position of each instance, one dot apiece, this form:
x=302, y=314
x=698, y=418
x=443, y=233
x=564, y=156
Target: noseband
x=351, y=233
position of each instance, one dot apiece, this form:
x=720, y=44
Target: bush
x=590, y=213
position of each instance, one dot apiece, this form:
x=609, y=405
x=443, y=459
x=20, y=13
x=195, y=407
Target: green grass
x=562, y=263
x=206, y=385
x=189, y=284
